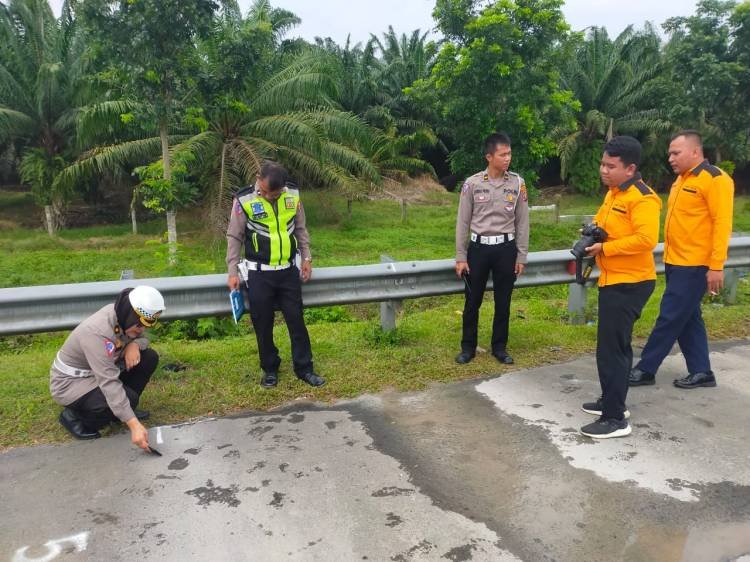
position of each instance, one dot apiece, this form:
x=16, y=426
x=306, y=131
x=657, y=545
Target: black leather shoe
x=142, y=414
x=640, y=378
x=503, y=357
x=269, y=379
x=696, y=380
x=464, y=357
x=70, y=421
x=313, y=379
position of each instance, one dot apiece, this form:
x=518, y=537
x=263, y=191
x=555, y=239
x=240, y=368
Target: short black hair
x=626, y=148
x=494, y=140
x=690, y=134
x=274, y=173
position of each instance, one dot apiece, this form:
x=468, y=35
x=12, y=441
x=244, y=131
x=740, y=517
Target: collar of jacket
x=700, y=167
x=631, y=182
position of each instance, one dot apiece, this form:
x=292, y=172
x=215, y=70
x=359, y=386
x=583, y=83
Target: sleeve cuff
x=716, y=265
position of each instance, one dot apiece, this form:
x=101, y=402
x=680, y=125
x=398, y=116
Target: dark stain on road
x=165, y=477
x=210, y=494
x=256, y=466
x=460, y=553
x=220, y=447
x=278, y=500
x=265, y=483
x=178, y=464
x=392, y=491
x=393, y=520
x=251, y=489
x=331, y=424
x=296, y=418
x=283, y=466
x=233, y=454
x=259, y=431
x=102, y=517
x=193, y=451
x=148, y=526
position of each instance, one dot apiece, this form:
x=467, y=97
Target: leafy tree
x=41, y=71
x=151, y=44
x=615, y=83
x=707, y=54
x=498, y=70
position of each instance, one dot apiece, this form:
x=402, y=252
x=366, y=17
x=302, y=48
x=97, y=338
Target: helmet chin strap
x=126, y=316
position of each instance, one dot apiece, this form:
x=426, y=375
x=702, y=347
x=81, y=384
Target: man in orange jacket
x=696, y=239
x=630, y=217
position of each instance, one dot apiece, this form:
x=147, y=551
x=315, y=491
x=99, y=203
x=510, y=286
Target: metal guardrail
x=25, y=310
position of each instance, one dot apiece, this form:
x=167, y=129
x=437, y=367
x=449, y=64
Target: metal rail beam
x=25, y=310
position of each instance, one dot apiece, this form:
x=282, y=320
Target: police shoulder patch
x=465, y=187
x=109, y=347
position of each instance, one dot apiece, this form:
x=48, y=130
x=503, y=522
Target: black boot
x=70, y=421
x=640, y=378
x=313, y=379
x=269, y=379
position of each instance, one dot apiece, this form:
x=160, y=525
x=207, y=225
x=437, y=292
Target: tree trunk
x=172, y=235
x=49, y=220
x=171, y=213
x=134, y=220
x=349, y=207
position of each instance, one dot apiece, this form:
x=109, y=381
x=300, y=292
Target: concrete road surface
x=486, y=470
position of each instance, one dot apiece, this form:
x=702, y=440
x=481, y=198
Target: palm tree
x=290, y=120
x=40, y=85
x=614, y=82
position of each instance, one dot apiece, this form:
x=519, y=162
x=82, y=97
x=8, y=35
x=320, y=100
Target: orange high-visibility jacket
x=699, y=218
x=630, y=215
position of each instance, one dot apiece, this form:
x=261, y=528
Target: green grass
x=222, y=375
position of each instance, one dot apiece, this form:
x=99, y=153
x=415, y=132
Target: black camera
x=590, y=235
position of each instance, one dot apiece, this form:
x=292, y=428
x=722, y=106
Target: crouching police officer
x=492, y=235
x=630, y=217
x=102, y=368
x=268, y=219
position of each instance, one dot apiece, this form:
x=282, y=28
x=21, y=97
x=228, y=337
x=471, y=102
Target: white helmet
x=147, y=303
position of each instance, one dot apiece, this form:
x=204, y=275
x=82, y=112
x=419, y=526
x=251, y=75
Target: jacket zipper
x=278, y=230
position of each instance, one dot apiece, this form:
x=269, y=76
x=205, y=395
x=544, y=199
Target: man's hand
x=306, y=271
x=462, y=266
x=132, y=355
x=594, y=250
x=138, y=434
x=233, y=282
x=715, y=281
x=520, y=268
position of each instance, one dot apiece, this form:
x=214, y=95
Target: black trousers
x=92, y=407
x=620, y=305
x=282, y=288
x=499, y=259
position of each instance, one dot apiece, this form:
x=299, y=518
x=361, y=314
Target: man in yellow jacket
x=630, y=217
x=696, y=239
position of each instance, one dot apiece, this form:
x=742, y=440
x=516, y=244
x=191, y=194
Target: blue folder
x=238, y=304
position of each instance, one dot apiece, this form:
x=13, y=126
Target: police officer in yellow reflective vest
x=268, y=219
x=492, y=235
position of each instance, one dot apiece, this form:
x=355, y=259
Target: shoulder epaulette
x=245, y=191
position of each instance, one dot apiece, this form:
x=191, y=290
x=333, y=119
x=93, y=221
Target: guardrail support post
x=577, y=303
x=731, y=277
x=389, y=309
